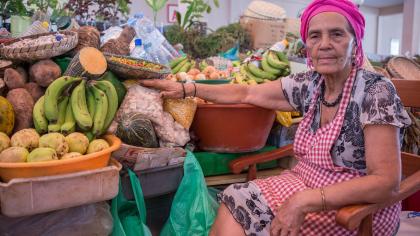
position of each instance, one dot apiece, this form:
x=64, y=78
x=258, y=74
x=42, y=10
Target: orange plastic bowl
x=91, y=161
x=232, y=128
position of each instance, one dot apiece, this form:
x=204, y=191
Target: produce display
x=42, y=40
x=185, y=69
x=90, y=106
x=273, y=65
x=28, y=146
x=7, y=116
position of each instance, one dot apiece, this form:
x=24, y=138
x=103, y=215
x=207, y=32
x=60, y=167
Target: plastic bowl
x=91, y=161
x=232, y=128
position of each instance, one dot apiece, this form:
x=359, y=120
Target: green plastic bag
x=193, y=209
x=130, y=216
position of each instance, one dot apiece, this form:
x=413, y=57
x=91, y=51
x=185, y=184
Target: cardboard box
x=264, y=33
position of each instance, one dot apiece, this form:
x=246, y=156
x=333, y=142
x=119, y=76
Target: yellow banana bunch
x=284, y=118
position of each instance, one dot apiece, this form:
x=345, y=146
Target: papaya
x=7, y=116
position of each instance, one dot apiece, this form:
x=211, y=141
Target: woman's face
x=330, y=43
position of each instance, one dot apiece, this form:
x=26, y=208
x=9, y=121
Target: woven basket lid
x=403, y=68
x=265, y=10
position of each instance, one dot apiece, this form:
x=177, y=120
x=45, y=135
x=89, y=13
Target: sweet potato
x=35, y=90
x=44, y=72
x=23, y=104
x=14, y=78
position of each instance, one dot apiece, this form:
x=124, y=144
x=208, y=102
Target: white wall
x=389, y=27
x=371, y=19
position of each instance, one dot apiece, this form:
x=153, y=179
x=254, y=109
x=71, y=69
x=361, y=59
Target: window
x=395, y=47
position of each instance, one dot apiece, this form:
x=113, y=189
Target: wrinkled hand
x=168, y=89
x=289, y=218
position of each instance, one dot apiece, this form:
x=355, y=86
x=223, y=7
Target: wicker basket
x=265, y=10
x=403, y=68
x=125, y=71
x=44, y=51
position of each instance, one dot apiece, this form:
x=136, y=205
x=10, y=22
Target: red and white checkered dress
x=315, y=169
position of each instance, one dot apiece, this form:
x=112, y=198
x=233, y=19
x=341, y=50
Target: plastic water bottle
x=146, y=30
x=138, y=50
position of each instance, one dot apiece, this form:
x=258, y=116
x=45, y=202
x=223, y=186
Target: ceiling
x=382, y=3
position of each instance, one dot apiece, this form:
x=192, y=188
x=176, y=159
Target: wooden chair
x=356, y=216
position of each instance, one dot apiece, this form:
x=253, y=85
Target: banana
x=274, y=61
x=176, y=61
x=244, y=71
x=179, y=66
x=112, y=96
x=62, y=106
x=252, y=82
x=90, y=136
x=69, y=125
x=282, y=57
x=90, y=99
x=260, y=73
x=266, y=67
x=79, y=107
x=40, y=122
x=54, y=91
x=202, y=65
x=101, y=110
x=185, y=67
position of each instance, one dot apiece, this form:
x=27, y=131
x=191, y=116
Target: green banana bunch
x=180, y=65
x=79, y=107
x=90, y=99
x=112, y=96
x=266, y=66
x=260, y=73
x=69, y=125
x=101, y=110
x=186, y=67
x=38, y=116
x=62, y=107
x=275, y=62
x=54, y=91
x=202, y=65
x=245, y=71
x=176, y=61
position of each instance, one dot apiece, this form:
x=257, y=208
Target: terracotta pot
x=232, y=128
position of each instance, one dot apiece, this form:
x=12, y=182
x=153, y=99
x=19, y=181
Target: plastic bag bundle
x=182, y=110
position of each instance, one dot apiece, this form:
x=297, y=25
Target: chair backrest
x=409, y=91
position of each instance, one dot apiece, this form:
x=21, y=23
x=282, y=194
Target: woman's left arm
x=382, y=152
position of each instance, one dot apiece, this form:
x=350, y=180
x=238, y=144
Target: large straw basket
x=44, y=51
x=265, y=11
x=135, y=72
x=403, y=68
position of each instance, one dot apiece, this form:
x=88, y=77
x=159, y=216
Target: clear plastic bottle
x=138, y=50
x=146, y=30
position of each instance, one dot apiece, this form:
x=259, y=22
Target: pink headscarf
x=343, y=7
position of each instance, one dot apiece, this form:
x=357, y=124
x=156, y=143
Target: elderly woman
x=347, y=144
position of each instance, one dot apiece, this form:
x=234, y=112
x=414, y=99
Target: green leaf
x=188, y=14
x=216, y=3
x=208, y=10
x=178, y=18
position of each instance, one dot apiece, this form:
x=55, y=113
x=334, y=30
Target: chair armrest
x=350, y=217
x=239, y=164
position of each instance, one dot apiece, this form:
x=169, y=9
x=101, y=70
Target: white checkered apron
x=316, y=169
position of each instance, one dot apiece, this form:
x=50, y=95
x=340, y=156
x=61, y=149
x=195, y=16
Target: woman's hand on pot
x=290, y=216
x=168, y=89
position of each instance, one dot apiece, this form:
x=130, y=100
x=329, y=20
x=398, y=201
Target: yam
x=88, y=37
x=120, y=45
x=23, y=105
x=2, y=87
x=44, y=72
x=35, y=90
x=90, y=62
x=14, y=79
